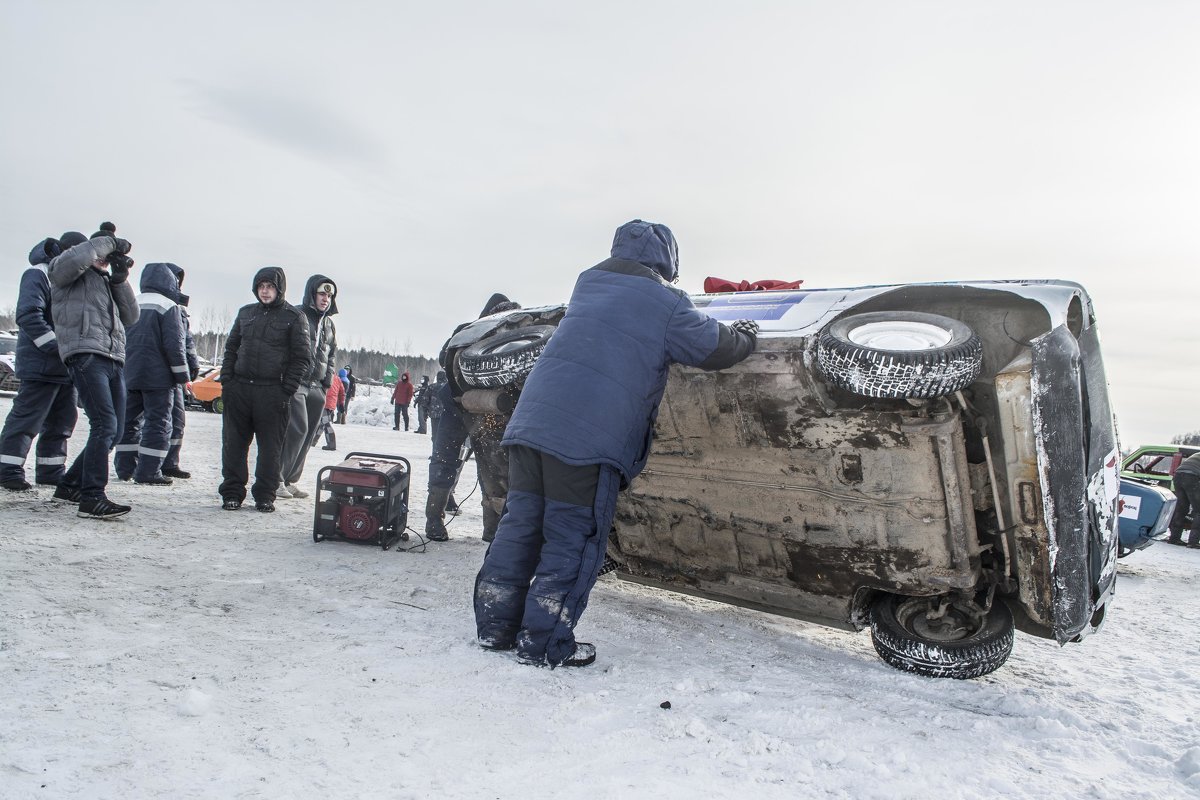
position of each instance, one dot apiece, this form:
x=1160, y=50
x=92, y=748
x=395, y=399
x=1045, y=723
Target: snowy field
x=186, y=651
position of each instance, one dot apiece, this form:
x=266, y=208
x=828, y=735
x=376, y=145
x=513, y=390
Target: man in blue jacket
x=45, y=403
x=580, y=432
x=155, y=364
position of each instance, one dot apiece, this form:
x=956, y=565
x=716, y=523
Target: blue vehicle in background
x=1147, y=499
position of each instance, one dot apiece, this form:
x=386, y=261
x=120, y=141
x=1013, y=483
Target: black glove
x=746, y=326
x=119, y=266
x=193, y=373
x=122, y=246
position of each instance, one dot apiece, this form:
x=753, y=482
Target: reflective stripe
x=182, y=369
x=52, y=461
x=44, y=338
x=146, y=451
x=176, y=442
x=18, y=460
x=155, y=301
x=126, y=448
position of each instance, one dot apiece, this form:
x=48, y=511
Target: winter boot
x=330, y=440
x=435, y=517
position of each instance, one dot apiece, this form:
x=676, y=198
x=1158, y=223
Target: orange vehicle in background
x=207, y=391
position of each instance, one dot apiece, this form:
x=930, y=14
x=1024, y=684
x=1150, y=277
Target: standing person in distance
x=402, y=395
x=351, y=388
x=421, y=399
x=335, y=394
x=582, y=430
x=156, y=365
x=92, y=305
x=45, y=403
x=267, y=355
x=1187, y=497
x=308, y=402
x=170, y=466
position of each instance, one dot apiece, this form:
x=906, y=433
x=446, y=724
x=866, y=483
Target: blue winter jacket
x=593, y=395
x=193, y=360
x=37, y=346
x=156, y=345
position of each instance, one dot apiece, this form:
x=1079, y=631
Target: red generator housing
x=364, y=499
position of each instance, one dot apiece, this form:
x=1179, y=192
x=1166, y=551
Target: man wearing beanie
x=92, y=305
x=267, y=357
x=45, y=403
x=581, y=431
x=308, y=402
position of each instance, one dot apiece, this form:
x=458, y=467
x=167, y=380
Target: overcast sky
x=425, y=155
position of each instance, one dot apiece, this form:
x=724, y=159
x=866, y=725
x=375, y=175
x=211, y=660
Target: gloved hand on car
x=746, y=326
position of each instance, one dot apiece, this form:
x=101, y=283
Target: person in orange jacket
x=401, y=396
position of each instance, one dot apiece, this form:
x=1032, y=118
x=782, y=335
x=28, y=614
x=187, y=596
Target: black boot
x=452, y=505
x=435, y=517
x=330, y=441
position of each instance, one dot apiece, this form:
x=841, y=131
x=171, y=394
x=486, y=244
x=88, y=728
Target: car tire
x=505, y=358
x=899, y=354
x=955, y=647
x=218, y=405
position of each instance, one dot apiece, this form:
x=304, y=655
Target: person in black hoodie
x=267, y=356
x=308, y=402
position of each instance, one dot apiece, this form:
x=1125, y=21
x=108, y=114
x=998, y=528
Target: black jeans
x=100, y=383
x=1187, y=496
x=257, y=412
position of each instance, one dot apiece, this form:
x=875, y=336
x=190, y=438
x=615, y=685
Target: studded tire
x=899, y=354
x=505, y=358
x=955, y=647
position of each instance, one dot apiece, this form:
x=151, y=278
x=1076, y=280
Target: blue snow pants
x=146, y=440
x=549, y=548
x=45, y=410
x=178, y=421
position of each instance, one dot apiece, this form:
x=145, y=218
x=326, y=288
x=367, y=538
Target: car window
x=1153, y=464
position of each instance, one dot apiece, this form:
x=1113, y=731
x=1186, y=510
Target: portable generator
x=364, y=499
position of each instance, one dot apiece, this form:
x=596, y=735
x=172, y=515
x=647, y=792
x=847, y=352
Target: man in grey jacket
x=92, y=302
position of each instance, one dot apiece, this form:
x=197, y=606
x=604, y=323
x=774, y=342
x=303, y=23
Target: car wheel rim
x=952, y=626
x=901, y=335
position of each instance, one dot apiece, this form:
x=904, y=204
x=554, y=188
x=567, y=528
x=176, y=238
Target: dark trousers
x=178, y=422
x=401, y=410
x=1187, y=496
x=304, y=413
x=491, y=465
x=549, y=548
x=45, y=410
x=100, y=383
x=422, y=417
x=146, y=439
x=253, y=412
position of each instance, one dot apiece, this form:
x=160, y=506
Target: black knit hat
x=70, y=239
x=106, y=229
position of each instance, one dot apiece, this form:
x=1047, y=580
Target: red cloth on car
x=719, y=285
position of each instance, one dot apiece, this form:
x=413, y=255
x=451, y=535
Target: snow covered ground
x=186, y=651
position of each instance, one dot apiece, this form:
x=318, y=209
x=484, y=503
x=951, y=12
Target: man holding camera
x=92, y=303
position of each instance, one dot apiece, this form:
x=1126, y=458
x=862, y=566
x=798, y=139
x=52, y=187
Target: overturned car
x=936, y=461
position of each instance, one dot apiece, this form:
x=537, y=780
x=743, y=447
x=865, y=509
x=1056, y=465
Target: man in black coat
x=267, y=356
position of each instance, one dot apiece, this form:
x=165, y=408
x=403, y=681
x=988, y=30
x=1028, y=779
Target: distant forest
x=368, y=364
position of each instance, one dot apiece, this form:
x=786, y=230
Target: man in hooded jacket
x=267, y=356
x=170, y=466
x=45, y=403
x=155, y=366
x=580, y=432
x=307, y=404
